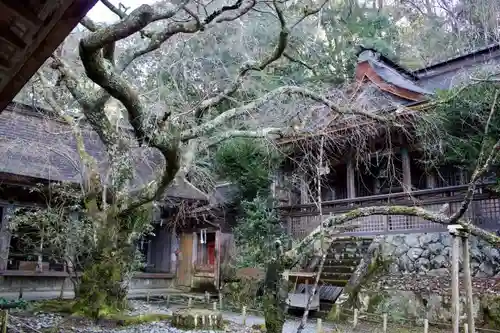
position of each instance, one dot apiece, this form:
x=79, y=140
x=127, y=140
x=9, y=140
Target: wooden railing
x=484, y=211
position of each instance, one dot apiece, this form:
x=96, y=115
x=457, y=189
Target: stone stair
x=342, y=259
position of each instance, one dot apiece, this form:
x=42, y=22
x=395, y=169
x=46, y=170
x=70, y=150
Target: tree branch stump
x=197, y=319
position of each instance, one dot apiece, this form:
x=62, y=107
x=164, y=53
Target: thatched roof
x=37, y=145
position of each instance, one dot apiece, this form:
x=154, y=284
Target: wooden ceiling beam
x=67, y=16
x=8, y=35
x=20, y=8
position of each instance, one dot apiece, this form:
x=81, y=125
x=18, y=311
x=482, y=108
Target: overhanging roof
x=35, y=144
x=30, y=30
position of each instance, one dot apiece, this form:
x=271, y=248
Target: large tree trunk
x=104, y=283
x=101, y=290
x=103, y=287
x=275, y=294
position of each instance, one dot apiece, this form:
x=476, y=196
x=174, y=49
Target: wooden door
x=224, y=252
x=185, y=273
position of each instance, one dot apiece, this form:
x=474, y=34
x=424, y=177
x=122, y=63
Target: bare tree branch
x=246, y=68
x=300, y=62
x=89, y=24
x=91, y=181
x=309, y=12
x=259, y=133
x=158, y=38
x=95, y=116
x=120, y=13
x=209, y=126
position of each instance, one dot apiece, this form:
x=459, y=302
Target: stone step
x=344, y=256
x=335, y=282
x=339, y=268
x=336, y=276
x=342, y=262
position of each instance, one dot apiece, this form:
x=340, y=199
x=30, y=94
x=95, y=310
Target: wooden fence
x=484, y=211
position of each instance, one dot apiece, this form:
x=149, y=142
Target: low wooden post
x=319, y=326
x=455, y=297
x=384, y=322
x=306, y=291
x=190, y=302
x=61, y=292
x=355, y=320
x=426, y=325
x=147, y=296
x=207, y=296
x=215, y=306
x=220, y=301
x=468, y=282
x=244, y=314
x=168, y=301
x=5, y=320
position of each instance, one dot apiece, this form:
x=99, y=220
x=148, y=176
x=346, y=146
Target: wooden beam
x=72, y=13
x=21, y=9
x=8, y=35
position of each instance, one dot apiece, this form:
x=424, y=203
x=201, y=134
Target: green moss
x=54, y=306
x=125, y=320
x=374, y=301
x=377, y=267
x=352, y=214
x=490, y=308
x=259, y=327
x=336, y=315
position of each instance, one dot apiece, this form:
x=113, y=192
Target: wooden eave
x=30, y=31
x=364, y=72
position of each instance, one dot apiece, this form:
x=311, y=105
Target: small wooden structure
x=298, y=299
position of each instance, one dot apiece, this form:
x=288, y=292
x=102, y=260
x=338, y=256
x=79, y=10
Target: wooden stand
x=197, y=319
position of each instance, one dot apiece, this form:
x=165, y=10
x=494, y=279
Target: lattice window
x=487, y=213
x=450, y=176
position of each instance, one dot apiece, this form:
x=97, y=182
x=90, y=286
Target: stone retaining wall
x=430, y=254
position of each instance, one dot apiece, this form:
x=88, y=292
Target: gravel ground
x=40, y=322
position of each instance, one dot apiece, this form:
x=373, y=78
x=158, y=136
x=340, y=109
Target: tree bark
x=275, y=294
x=362, y=271
x=103, y=287
x=104, y=283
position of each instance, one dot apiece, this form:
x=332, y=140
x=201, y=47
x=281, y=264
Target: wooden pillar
x=431, y=179
x=405, y=161
x=351, y=183
x=70, y=250
x=5, y=236
x=304, y=190
x=468, y=281
x=455, y=295
x=150, y=255
x=376, y=185
x=174, y=246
